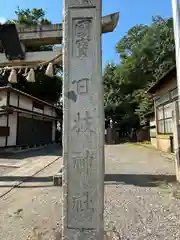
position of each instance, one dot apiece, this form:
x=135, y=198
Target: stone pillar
x=109, y=135
x=176, y=137
x=83, y=121
x=176, y=23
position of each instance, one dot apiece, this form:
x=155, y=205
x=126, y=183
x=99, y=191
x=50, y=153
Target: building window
x=164, y=119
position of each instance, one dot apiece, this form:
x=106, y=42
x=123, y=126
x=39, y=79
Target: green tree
x=46, y=88
x=146, y=52
x=130, y=41
x=36, y=16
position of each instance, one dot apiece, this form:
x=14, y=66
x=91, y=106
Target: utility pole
x=176, y=21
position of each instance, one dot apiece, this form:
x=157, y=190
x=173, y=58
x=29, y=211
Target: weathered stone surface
x=33, y=58
x=52, y=34
x=83, y=177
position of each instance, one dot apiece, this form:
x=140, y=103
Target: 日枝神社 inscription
x=83, y=124
x=82, y=163
x=82, y=86
x=82, y=194
x=82, y=205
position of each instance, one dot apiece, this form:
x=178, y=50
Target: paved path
x=10, y=163
x=138, y=199
x=35, y=206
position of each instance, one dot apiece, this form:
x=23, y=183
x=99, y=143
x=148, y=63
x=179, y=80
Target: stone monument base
x=57, y=179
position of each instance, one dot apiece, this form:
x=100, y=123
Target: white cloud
x=2, y=20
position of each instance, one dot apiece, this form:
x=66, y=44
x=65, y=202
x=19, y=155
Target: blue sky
x=131, y=13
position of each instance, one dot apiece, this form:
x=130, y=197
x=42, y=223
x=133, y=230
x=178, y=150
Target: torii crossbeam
x=52, y=34
x=48, y=35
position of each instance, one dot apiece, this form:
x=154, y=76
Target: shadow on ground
x=26, y=179
x=14, y=179
x=140, y=180
x=54, y=150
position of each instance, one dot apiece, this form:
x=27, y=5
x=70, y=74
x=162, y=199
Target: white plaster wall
x=47, y=110
x=25, y=103
x=53, y=113
x=3, y=123
x=11, y=141
x=13, y=99
x=2, y=141
x=3, y=99
x=37, y=110
x=53, y=130
x=25, y=115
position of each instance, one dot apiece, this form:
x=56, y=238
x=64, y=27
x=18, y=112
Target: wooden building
x=165, y=93
x=25, y=120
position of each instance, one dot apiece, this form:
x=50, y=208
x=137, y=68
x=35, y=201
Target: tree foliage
x=145, y=52
x=36, y=16
x=46, y=88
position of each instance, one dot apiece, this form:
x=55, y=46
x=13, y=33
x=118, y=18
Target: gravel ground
x=139, y=191
x=139, y=201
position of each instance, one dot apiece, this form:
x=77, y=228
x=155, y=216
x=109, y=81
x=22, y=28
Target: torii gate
x=83, y=110
x=52, y=34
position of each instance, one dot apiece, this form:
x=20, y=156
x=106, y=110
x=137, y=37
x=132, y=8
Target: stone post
x=176, y=136
x=176, y=23
x=83, y=121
